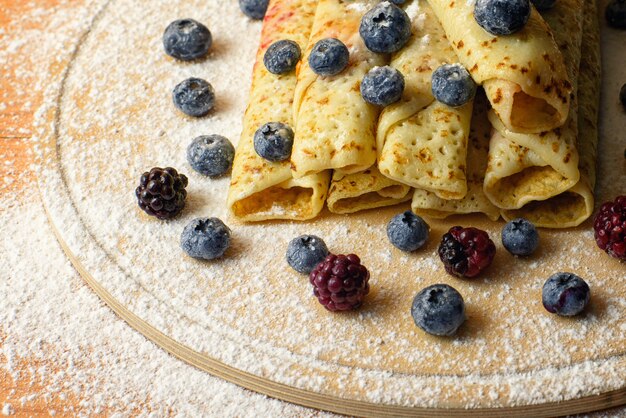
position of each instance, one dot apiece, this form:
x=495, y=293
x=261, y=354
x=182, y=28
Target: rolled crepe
x=527, y=167
x=428, y=204
x=422, y=142
x=335, y=127
x=524, y=74
x=261, y=189
x=365, y=190
x=574, y=206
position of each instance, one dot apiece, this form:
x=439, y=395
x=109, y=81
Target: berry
x=282, y=56
x=305, y=252
x=211, y=155
x=622, y=95
x=466, y=252
x=502, y=17
x=274, y=141
x=397, y=2
x=565, y=294
x=187, y=40
x=382, y=86
x=438, y=309
x=161, y=192
x=520, y=237
x=543, y=5
x=453, y=85
x=340, y=282
x=386, y=28
x=206, y=238
x=329, y=57
x=615, y=14
x=407, y=231
x=610, y=228
x=254, y=9
x=194, y=97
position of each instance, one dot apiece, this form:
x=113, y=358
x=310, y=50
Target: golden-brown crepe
x=261, y=189
x=335, y=127
x=526, y=167
x=422, y=142
x=428, y=204
x=365, y=190
x=575, y=205
x=524, y=74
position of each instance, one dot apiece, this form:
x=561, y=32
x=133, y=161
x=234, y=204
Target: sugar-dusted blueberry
x=520, y=237
x=211, y=155
x=187, y=39
x=407, y=231
x=382, y=86
x=329, y=57
x=386, y=28
x=565, y=294
x=502, y=17
x=438, y=309
x=254, y=9
x=282, y=56
x=305, y=252
x=615, y=14
x=453, y=85
x=543, y=5
x=194, y=97
x=274, y=141
x=206, y=238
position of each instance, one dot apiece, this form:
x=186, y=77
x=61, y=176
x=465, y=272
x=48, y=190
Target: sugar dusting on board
x=187, y=300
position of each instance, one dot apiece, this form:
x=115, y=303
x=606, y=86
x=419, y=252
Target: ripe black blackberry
x=610, y=228
x=466, y=252
x=161, y=192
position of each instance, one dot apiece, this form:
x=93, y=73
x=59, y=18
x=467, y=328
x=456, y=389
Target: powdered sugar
x=237, y=325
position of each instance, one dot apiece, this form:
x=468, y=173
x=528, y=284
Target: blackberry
x=340, y=282
x=161, y=192
x=466, y=252
x=610, y=228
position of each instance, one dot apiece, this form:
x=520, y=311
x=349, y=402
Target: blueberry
x=194, y=97
x=305, y=252
x=282, y=56
x=520, y=237
x=206, y=238
x=329, y=57
x=543, y=5
x=211, y=155
x=187, y=39
x=397, y=2
x=273, y=141
x=407, y=231
x=565, y=294
x=453, y=85
x=615, y=14
x=438, y=309
x=386, y=28
x=254, y=9
x=622, y=95
x=382, y=86
x=502, y=17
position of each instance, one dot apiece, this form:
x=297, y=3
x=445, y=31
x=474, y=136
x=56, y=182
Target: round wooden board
x=249, y=318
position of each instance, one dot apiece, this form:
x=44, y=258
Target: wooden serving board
x=249, y=318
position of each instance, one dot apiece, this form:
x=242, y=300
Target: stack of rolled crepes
x=525, y=146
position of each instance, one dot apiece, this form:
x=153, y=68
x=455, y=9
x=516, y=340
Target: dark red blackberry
x=610, y=228
x=161, y=192
x=466, y=252
x=340, y=282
